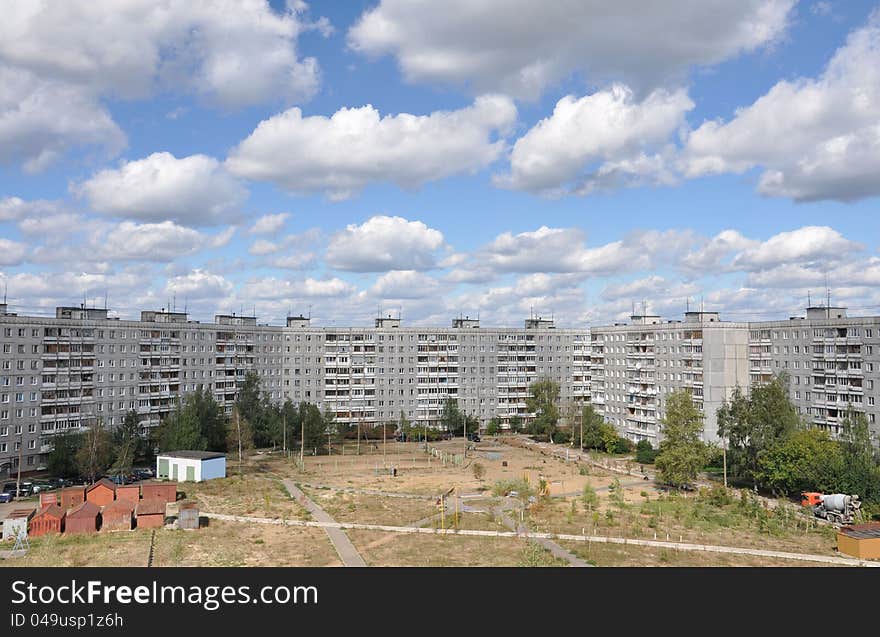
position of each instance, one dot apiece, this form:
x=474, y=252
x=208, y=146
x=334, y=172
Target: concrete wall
x=213, y=468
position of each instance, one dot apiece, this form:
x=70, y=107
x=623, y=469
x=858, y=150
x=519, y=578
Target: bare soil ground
x=635, y=509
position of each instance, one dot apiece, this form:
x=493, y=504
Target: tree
x=806, y=460
x=197, y=423
x=753, y=424
x=542, y=401
x=516, y=423
x=594, y=427
x=859, y=473
x=451, y=417
x=95, y=455
x=311, y=423
x=645, y=453
x=494, y=427
x=682, y=452
x=127, y=444
x=62, y=458
x=240, y=436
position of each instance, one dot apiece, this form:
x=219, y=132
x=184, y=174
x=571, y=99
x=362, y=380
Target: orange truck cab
x=811, y=499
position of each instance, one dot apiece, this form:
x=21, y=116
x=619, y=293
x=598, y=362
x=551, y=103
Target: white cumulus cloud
x=341, y=154
x=814, y=138
x=520, y=47
x=599, y=141
x=385, y=243
x=193, y=190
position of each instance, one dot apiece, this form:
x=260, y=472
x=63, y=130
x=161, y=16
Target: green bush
x=645, y=453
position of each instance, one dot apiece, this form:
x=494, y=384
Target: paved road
x=346, y=550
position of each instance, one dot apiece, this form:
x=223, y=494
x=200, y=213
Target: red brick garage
x=50, y=519
x=101, y=493
x=128, y=493
x=150, y=514
x=117, y=516
x=165, y=491
x=82, y=519
x=72, y=497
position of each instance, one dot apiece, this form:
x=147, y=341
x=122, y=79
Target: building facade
x=81, y=367
x=832, y=362
x=635, y=366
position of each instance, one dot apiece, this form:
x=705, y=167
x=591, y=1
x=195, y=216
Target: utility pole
x=302, y=445
x=20, y=448
x=582, y=429
x=284, y=431
x=724, y=456
x=384, y=444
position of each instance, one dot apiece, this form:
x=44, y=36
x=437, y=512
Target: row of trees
x=198, y=423
x=770, y=447
x=98, y=450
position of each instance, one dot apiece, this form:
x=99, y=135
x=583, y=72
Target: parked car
x=474, y=437
x=59, y=483
x=8, y=492
x=142, y=474
x=26, y=490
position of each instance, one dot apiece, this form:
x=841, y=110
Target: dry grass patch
x=601, y=554
x=370, y=509
x=120, y=548
x=248, y=495
x=405, y=549
x=241, y=544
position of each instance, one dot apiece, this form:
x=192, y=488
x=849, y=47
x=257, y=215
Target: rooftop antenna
x=687, y=304
x=809, y=302
x=174, y=302
x=185, y=305
x=310, y=311
x=701, y=304
x=5, y=289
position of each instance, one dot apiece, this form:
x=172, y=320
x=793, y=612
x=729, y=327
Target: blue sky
x=516, y=156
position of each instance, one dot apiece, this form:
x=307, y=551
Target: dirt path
x=346, y=550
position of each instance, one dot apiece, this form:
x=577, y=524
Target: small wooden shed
x=860, y=540
x=48, y=497
x=73, y=496
x=101, y=493
x=16, y=521
x=165, y=491
x=82, y=519
x=128, y=493
x=150, y=514
x=188, y=515
x=50, y=519
x=117, y=516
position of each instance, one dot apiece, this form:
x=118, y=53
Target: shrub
x=479, y=471
x=645, y=453
x=589, y=497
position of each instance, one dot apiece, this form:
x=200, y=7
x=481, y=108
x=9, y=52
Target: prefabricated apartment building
x=82, y=366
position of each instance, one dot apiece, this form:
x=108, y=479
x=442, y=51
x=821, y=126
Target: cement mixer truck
x=837, y=508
